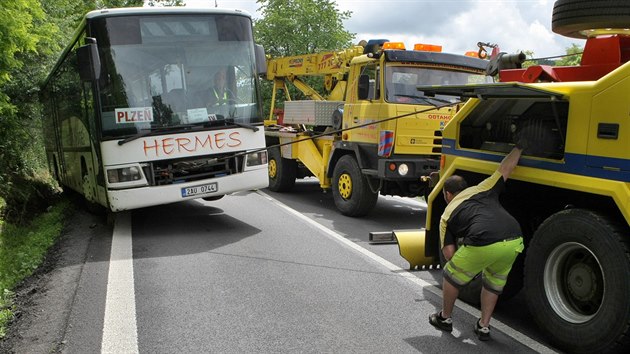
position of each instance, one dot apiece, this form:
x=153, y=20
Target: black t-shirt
x=479, y=217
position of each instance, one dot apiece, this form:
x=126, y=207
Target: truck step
x=382, y=237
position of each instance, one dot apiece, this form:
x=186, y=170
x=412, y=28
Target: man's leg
x=488, y=302
x=449, y=295
x=495, y=275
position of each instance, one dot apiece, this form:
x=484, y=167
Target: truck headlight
x=125, y=174
x=256, y=158
x=403, y=169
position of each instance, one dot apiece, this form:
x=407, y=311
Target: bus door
x=58, y=155
x=94, y=178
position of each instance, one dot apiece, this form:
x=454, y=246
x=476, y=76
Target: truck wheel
x=351, y=189
x=576, y=278
x=570, y=17
x=282, y=172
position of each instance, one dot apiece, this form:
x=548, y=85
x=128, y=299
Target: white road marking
x=516, y=335
x=120, y=333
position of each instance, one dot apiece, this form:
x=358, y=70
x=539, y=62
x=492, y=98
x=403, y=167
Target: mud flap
x=411, y=247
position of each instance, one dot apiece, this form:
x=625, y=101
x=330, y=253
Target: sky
x=456, y=25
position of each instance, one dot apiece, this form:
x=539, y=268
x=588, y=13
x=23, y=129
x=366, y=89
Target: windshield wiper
x=441, y=100
x=242, y=125
x=147, y=132
x=426, y=99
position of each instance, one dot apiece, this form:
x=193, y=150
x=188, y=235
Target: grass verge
x=22, y=250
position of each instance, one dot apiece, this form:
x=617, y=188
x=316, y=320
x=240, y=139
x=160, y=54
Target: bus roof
x=179, y=10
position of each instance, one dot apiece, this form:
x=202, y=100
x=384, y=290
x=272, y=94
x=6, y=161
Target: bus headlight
x=403, y=169
x=256, y=158
x=125, y=174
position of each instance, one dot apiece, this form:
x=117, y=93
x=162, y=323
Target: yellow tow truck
x=371, y=132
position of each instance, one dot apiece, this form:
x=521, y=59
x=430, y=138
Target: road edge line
x=120, y=332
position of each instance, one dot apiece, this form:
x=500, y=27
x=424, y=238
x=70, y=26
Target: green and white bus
x=129, y=118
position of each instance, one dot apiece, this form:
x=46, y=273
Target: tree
x=574, y=56
x=26, y=35
x=17, y=26
x=166, y=3
x=290, y=27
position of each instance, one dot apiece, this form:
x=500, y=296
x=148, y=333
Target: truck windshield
x=165, y=71
x=401, y=83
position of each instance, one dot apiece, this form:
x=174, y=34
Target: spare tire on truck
x=576, y=279
x=572, y=17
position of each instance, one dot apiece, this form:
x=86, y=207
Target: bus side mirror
x=89, y=61
x=261, y=60
x=364, y=87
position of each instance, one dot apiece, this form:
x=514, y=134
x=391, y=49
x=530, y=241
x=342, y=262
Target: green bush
x=22, y=250
x=28, y=196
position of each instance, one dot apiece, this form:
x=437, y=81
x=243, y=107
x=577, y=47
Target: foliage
x=22, y=250
x=166, y=2
x=28, y=39
x=574, y=56
x=6, y=311
x=529, y=54
x=18, y=21
x=314, y=26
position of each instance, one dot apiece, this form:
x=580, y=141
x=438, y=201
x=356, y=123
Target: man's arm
x=448, y=251
x=509, y=162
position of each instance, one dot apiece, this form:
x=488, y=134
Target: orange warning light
x=427, y=47
x=394, y=45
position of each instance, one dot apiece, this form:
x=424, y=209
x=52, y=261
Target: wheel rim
x=574, y=282
x=273, y=168
x=345, y=186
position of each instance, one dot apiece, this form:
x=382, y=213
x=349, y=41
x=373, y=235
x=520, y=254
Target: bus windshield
x=401, y=83
x=160, y=72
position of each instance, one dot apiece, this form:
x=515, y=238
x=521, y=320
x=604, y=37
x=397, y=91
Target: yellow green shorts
x=494, y=261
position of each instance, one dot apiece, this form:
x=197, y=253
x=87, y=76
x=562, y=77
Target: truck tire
x=351, y=189
x=576, y=277
x=572, y=16
x=282, y=172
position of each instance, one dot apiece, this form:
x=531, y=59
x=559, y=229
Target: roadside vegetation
x=22, y=249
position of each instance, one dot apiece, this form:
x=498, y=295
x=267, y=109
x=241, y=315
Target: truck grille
x=438, y=142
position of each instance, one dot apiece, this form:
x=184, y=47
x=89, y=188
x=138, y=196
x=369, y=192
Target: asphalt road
x=262, y=272
x=395, y=213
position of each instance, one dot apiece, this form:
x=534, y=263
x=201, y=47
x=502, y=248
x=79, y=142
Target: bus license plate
x=202, y=189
